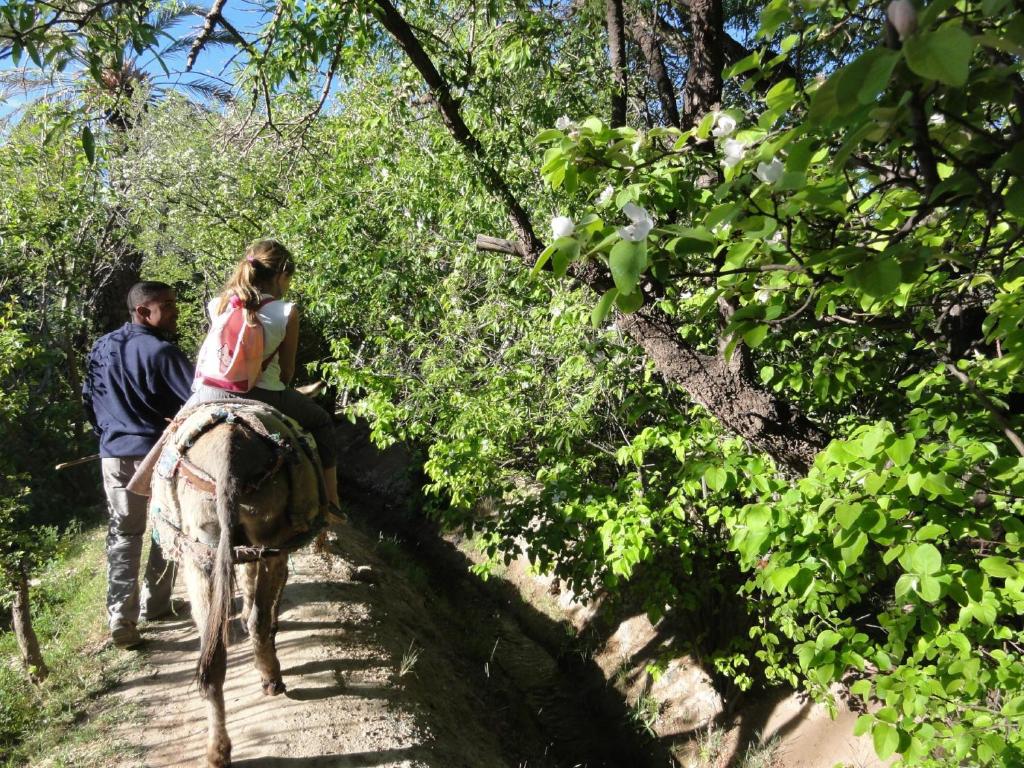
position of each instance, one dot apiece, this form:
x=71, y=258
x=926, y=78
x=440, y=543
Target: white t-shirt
x=273, y=316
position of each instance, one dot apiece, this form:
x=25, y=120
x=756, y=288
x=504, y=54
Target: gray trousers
x=124, y=550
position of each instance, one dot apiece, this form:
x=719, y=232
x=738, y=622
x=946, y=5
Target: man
x=136, y=379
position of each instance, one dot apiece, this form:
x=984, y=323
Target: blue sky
x=216, y=62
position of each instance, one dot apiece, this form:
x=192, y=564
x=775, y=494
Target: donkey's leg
x=271, y=574
x=246, y=574
x=218, y=745
x=277, y=600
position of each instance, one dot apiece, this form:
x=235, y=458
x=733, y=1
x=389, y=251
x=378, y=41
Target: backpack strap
x=267, y=360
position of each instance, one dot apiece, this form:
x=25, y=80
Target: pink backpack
x=231, y=357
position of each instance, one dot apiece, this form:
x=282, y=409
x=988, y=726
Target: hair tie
x=249, y=257
x=236, y=302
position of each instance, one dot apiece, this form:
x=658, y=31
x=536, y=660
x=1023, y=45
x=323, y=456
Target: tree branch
x=642, y=31
x=617, y=59
x=449, y=108
x=208, y=26
x=997, y=415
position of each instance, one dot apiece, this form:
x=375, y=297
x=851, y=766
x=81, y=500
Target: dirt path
x=371, y=680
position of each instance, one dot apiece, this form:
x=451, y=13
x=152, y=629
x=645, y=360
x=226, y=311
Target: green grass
x=67, y=721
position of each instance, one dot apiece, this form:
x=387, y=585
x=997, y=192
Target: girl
x=259, y=282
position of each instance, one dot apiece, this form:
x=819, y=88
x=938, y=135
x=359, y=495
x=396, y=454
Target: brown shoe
x=125, y=635
x=334, y=514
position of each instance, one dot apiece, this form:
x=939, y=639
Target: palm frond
x=208, y=89
x=30, y=80
x=171, y=14
x=217, y=37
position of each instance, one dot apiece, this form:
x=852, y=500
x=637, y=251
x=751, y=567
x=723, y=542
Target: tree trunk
x=768, y=423
x=111, y=309
x=732, y=49
x=704, y=77
x=399, y=28
x=28, y=643
x=643, y=33
x=617, y=59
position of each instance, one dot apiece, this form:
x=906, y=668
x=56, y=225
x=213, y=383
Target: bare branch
x=212, y=18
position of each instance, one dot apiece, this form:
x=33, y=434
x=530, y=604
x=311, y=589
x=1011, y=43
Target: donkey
x=236, y=483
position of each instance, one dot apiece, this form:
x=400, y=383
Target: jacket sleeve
x=175, y=374
x=90, y=412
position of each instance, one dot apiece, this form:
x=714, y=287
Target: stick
x=76, y=462
x=498, y=245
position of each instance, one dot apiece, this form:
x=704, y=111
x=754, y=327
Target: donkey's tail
x=215, y=636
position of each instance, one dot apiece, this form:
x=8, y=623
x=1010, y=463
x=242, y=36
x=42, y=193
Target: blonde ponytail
x=264, y=260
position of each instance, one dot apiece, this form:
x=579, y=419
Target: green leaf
x=716, y=478
x=852, y=552
x=886, y=739
x=999, y=567
x=901, y=449
x=929, y=588
x=780, y=577
x=930, y=531
x=1014, y=199
x=848, y=514
x=943, y=55
x=878, y=277
x=691, y=240
x=824, y=101
x=88, y=144
x=863, y=725
x=549, y=135
x=751, y=61
x=542, y=260
x=628, y=260
x=631, y=302
x=904, y=584
x=861, y=688
x=603, y=307
x=926, y=559
x=876, y=75
x=755, y=335
x=566, y=250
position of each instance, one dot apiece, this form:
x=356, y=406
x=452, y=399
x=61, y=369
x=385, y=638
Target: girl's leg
x=314, y=420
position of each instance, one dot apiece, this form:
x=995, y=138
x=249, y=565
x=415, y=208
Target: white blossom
x=640, y=226
x=562, y=226
x=762, y=295
x=777, y=237
x=903, y=17
x=724, y=126
x=606, y=195
x=937, y=119
x=563, y=123
x=770, y=173
x=734, y=151
x=685, y=295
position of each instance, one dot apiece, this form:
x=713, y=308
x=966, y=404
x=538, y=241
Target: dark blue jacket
x=134, y=381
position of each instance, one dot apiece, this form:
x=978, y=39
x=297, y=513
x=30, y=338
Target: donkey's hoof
x=218, y=754
x=273, y=687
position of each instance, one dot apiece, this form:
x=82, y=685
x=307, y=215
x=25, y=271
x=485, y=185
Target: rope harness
x=292, y=450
